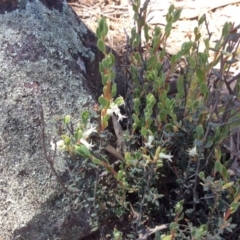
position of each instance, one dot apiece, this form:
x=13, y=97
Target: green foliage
x=174, y=168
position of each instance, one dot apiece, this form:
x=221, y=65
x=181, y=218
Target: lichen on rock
x=45, y=53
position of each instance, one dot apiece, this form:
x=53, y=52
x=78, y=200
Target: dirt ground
x=117, y=14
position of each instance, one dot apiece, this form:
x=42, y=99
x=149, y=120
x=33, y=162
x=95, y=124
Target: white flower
x=149, y=143
x=59, y=145
x=88, y=132
x=115, y=109
x=165, y=156
x=193, y=151
x=87, y=144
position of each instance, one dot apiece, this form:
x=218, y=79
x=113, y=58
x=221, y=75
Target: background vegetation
x=162, y=161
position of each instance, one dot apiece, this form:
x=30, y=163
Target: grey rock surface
x=46, y=53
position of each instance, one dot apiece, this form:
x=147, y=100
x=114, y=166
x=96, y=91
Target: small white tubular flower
x=121, y=117
x=149, y=143
x=115, y=109
x=59, y=145
x=88, y=132
x=87, y=144
x=193, y=151
x=165, y=156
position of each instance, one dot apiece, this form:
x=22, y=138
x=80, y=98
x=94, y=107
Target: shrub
x=176, y=175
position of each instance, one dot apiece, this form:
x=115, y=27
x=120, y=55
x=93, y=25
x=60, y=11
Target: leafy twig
x=47, y=156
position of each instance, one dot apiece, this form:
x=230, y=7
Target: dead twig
x=119, y=134
x=114, y=152
x=151, y=231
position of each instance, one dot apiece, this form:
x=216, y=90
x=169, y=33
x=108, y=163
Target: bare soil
x=117, y=14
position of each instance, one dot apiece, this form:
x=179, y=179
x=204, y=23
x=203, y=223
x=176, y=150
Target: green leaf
x=92, y=165
x=162, y=54
x=197, y=37
x=186, y=46
x=195, y=104
x=206, y=42
x=192, y=61
x=85, y=117
x=94, y=229
x=136, y=41
x=138, y=3
x=238, y=88
x=146, y=31
x=102, y=25
x=234, y=206
x=200, y=74
x=225, y=173
x=144, y=132
x=105, y=28
x=218, y=153
x=103, y=101
x=157, y=31
x=67, y=140
x=150, y=100
x=150, y=64
x=218, y=167
x=105, y=63
x=171, y=8
x=196, y=30
x=105, y=78
x=111, y=59
x=201, y=20
x=136, y=105
x=173, y=59
x=179, y=55
x=203, y=57
x=199, y=130
x=168, y=28
x=208, y=144
x=169, y=127
x=119, y=101
x=215, y=125
x=166, y=237
x=101, y=46
x=96, y=161
x=232, y=61
x=82, y=150
x=112, y=75
x=226, y=29
x=163, y=116
x=67, y=119
x=225, y=133
x=114, y=90
x=98, y=33
x=180, y=85
x=204, y=88
x=137, y=57
x=78, y=134
x=176, y=15
x=202, y=117
x=227, y=185
x=105, y=119
x=201, y=175
x=173, y=226
x=179, y=207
